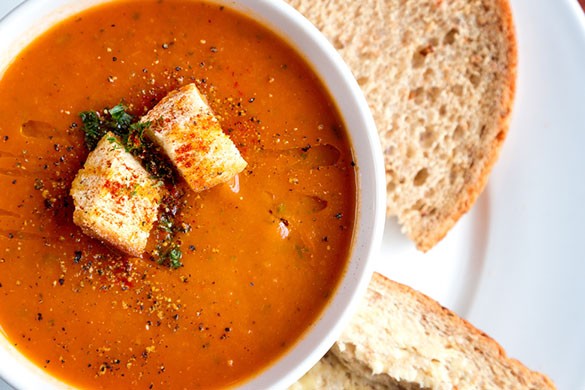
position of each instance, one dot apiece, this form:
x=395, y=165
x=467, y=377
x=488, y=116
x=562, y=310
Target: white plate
x=515, y=265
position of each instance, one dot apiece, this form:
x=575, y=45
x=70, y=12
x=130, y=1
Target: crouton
x=115, y=198
x=184, y=126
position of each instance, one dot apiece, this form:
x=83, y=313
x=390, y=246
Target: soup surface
x=261, y=254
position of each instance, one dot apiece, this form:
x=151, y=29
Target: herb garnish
x=120, y=116
x=96, y=124
x=172, y=258
x=91, y=128
x=168, y=250
x=131, y=133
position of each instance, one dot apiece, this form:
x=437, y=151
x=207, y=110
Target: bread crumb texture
x=115, y=199
x=402, y=339
x=332, y=374
x=439, y=77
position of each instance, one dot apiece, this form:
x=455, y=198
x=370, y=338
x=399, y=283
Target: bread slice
x=184, y=126
x=115, y=198
x=402, y=339
x=440, y=78
x=330, y=373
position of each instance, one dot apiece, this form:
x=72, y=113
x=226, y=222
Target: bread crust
x=440, y=79
x=402, y=339
x=426, y=241
x=465, y=356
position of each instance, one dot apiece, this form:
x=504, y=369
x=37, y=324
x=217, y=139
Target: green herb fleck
x=168, y=230
x=175, y=256
x=171, y=258
x=121, y=118
x=166, y=224
x=280, y=208
x=301, y=250
x=92, y=128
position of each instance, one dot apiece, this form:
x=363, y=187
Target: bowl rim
x=281, y=18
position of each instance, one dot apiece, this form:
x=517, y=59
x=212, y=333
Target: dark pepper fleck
x=49, y=203
x=77, y=256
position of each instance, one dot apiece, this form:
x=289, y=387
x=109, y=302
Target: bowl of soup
x=245, y=284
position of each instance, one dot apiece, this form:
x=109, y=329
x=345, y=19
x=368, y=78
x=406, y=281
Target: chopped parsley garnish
x=165, y=224
x=96, y=124
x=92, y=128
x=120, y=116
x=131, y=133
x=175, y=256
x=168, y=249
x=131, y=136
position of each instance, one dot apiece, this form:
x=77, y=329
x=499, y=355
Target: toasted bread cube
x=184, y=126
x=115, y=198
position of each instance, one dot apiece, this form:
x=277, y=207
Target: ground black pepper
x=77, y=256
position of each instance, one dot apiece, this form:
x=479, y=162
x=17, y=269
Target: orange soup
x=261, y=254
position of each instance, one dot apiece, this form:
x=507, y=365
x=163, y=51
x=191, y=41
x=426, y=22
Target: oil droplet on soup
x=263, y=254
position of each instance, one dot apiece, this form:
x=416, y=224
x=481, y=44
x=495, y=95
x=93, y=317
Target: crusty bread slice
x=330, y=373
x=184, y=126
x=400, y=338
x=439, y=77
x=115, y=198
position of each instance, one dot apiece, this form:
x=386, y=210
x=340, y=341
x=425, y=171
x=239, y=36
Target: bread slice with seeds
x=402, y=339
x=439, y=77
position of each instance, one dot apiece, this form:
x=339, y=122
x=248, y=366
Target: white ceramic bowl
x=33, y=17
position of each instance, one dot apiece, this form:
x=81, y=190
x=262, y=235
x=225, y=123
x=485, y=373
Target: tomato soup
x=261, y=254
